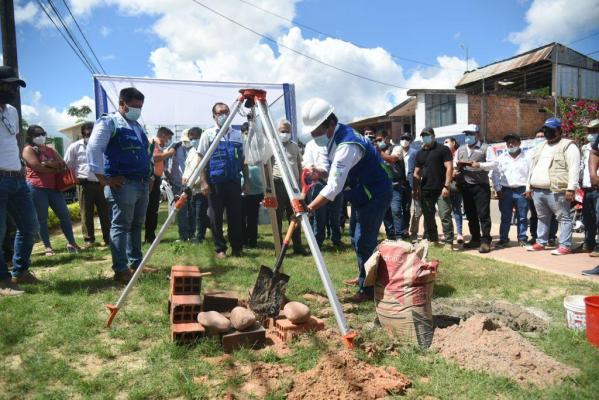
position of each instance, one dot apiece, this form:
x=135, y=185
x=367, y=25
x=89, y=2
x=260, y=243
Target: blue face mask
x=133, y=114
x=513, y=150
x=167, y=143
x=470, y=139
x=195, y=142
x=428, y=139
x=591, y=137
x=220, y=119
x=321, y=140
x=382, y=145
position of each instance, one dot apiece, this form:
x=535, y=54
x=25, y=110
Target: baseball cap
x=593, y=124
x=8, y=75
x=512, y=136
x=471, y=128
x=406, y=136
x=427, y=131
x=553, y=123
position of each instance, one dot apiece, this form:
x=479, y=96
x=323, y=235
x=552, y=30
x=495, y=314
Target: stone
x=214, y=321
x=296, y=312
x=242, y=318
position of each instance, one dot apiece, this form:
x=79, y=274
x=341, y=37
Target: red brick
x=187, y=333
x=185, y=268
x=253, y=338
x=287, y=330
x=185, y=282
x=220, y=301
x=185, y=308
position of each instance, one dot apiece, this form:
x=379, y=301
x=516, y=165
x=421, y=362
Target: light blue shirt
x=101, y=134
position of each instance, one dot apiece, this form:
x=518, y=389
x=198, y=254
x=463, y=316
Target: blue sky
x=124, y=39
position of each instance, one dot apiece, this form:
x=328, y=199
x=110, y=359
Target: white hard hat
x=314, y=112
x=185, y=136
x=472, y=128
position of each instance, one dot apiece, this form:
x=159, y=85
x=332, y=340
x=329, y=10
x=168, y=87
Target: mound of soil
x=480, y=344
x=341, y=376
x=523, y=319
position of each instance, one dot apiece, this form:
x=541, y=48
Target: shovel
x=269, y=290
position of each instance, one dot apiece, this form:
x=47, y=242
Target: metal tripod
x=253, y=98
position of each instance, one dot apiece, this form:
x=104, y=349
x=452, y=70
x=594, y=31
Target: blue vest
x=370, y=177
x=126, y=155
x=225, y=163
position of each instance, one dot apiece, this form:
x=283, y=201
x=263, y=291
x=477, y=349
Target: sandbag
x=255, y=147
x=296, y=312
x=403, y=290
x=242, y=318
x=214, y=321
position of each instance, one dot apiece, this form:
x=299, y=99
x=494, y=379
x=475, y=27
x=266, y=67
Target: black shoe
x=484, y=248
x=300, y=252
x=473, y=244
x=502, y=244
x=532, y=241
x=591, y=272
x=522, y=243
x=552, y=243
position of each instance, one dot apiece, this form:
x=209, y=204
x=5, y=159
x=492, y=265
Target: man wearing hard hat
x=358, y=170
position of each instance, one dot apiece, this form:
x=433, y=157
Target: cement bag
x=256, y=148
x=403, y=291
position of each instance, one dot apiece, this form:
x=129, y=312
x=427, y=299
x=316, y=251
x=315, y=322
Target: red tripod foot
x=113, y=310
x=348, y=339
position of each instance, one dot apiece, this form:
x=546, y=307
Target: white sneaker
x=10, y=289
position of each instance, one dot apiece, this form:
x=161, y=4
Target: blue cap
x=553, y=123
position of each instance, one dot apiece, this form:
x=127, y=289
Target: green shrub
x=73, y=211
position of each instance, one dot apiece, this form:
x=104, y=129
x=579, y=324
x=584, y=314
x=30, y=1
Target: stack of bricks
x=184, y=304
x=280, y=328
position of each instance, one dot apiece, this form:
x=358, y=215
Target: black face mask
x=6, y=97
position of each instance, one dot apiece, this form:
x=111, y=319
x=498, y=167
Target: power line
x=339, y=38
x=583, y=38
x=297, y=51
x=592, y=52
x=83, y=36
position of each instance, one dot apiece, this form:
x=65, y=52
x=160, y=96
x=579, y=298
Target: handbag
x=65, y=180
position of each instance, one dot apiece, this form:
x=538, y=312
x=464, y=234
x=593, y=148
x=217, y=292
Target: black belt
x=84, y=181
x=11, y=174
x=514, y=188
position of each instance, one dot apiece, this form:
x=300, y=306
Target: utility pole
x=9, y=45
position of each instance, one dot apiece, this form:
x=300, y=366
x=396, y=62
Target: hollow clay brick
x=220, y=301
x=185, y=268
x=185, y=283
x=186, y=333
x=185, y=308
x=253, y=338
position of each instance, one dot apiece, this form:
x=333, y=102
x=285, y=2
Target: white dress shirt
x=343, y=158
x=76, y=159
x=316, y=156
x=10, y=159
x=511, y=172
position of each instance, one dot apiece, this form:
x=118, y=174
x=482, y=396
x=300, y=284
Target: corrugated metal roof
x=500, y=67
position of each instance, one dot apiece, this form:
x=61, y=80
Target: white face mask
x=404, y=143
x=188, y=145
x=285, y=137
x=39, y=140
x=321, y=140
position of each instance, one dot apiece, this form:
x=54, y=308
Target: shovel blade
x=269, y=292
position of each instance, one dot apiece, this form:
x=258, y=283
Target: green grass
x=53, y=343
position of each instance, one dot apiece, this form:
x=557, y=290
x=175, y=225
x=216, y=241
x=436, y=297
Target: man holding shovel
x=356, y=166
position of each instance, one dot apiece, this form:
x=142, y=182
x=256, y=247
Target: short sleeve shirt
x=431, y=163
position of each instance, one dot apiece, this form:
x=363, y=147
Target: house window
x=440, y=110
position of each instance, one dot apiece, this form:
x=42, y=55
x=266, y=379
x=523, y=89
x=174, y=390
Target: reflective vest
x=126, y=155
x=226, y=161
x=370, y=177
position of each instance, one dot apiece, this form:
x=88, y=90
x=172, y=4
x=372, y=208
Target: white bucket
x=575, y=312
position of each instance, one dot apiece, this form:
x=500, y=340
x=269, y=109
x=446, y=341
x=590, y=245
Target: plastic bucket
x=592, y=319
x=575, y=312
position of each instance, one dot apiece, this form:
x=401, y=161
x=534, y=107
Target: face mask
x=427, y=139
x=513, y=150
x=371, y=138
x=591, y=137
x=133, y=114
x=167, y=143
x=321, y=140
x=195, y=143
x=382, y=145
x=187, y=144
x=285, y=137
x=220, y=119
x=6, y=97
x=539, y=140
x=470, y=139
x=404, y=143
x=39, y=140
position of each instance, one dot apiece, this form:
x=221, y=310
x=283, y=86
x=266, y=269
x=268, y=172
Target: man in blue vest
x=356, y=169
x=221, y=182
x=120, y=155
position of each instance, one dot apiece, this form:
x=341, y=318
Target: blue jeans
x=456, y=207
x=200, y=221
x=368, y=219
x=16, y=201
x=401, y=202
x=42, y=198
x=510, y=198
x=548, y=204
x=128, y=204
x=333, y=209
x=590, y=214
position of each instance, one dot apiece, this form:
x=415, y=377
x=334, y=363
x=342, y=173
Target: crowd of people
x=120, y=170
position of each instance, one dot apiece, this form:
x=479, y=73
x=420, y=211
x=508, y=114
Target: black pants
x=477, y=200
x=250, y=211
x=91, y=194
x=226, y=196
x=428, y=200
x=152, y=211
x=284, y=206
x=534, y=222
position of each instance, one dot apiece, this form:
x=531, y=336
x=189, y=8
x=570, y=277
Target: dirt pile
x=523, y=319
x=341, y=376
x=480, y=344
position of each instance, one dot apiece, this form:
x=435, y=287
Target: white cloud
x=52, y=119
x=25, y=13
x=105, y=31
x=556, y=20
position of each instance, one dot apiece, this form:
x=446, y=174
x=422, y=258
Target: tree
x=80, y=112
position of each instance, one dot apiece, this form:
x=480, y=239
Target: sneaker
x=460, y=239
x=536, y=247
x=561, y=251
x=502, y=244
x=591, y=272
x=594, y=253
x=484, y=248
x=522, y=243
x=300, y=252
x=73, y=249
x=123, y=277
x=7, y=288
x=473, y=244
x=220, y=255
x=25, y=277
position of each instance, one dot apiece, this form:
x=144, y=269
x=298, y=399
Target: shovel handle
x=292, y=226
